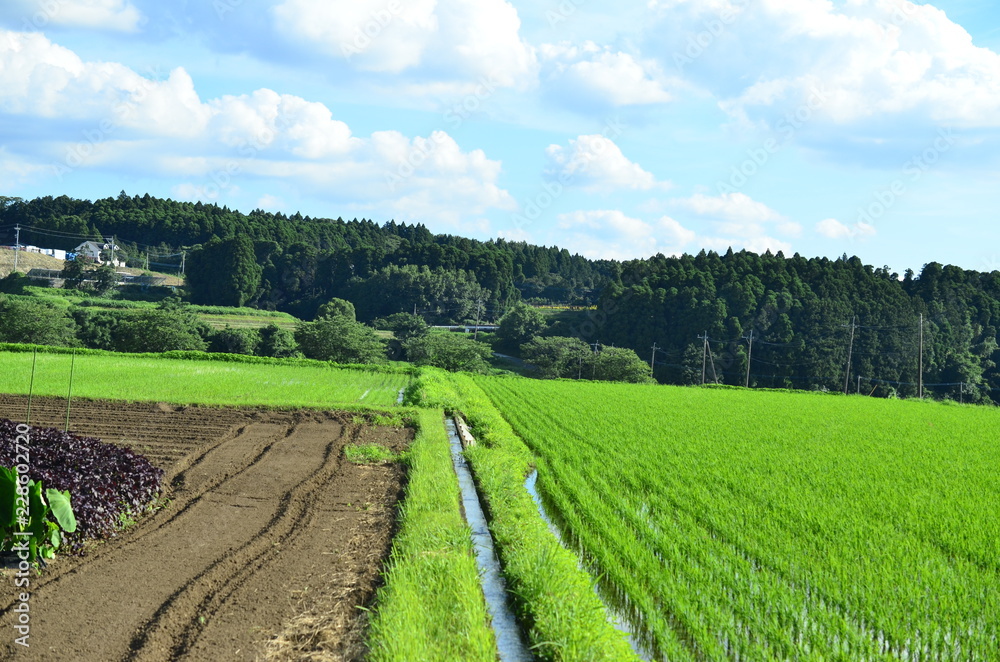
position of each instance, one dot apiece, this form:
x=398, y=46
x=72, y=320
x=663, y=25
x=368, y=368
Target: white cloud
x=163, y=128
x=601, y=76
x=111, y=15
x=610, y=234
x=44, y=79
x=441, y=39
x=270, y=202
x=868, y=57
x=596, y=163
x=737, y=207
x=739, y=221
x=831, y=228
x=790, y=229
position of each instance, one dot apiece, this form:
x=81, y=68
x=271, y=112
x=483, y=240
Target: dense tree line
x=801, y=313
x=303, y=261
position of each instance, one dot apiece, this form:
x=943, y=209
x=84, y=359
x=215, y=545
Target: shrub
x=107, y=483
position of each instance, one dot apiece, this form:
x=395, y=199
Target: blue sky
x=616, y=130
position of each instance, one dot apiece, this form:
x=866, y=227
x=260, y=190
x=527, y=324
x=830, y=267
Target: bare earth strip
x=267, y=523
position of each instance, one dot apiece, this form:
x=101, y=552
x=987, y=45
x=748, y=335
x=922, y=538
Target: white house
x=93, y=249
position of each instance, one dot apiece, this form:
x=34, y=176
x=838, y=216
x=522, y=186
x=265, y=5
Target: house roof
x=91, y=244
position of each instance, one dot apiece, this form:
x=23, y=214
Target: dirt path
x=268, y=529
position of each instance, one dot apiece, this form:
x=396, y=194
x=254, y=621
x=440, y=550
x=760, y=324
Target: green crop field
x=741, y=525
x=247, y=321
x=215, y=382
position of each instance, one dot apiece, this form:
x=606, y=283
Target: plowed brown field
x=269, y=545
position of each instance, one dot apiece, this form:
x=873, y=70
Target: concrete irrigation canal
x=510, y=643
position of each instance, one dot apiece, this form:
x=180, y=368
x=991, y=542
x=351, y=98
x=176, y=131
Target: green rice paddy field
x=742, y=525
x=212, y=382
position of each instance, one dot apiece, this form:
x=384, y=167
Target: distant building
x=54, y=252
x=93, y=250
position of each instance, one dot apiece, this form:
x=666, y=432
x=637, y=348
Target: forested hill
x=803, y=314
x=816, y=323
x=306, y=261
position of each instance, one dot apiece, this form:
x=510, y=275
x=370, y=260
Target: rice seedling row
x=746, y=526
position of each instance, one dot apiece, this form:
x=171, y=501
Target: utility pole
x=17, y=244
x=704, y=356
x=749, y=358
x=109, y=243
x=183, y=258
x=652, y=361
x=479, y=310
x=920, y=375
x=850, y=353
x=859, y=384
x=711, y=357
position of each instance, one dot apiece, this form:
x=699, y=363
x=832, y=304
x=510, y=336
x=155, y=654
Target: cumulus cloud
x=270, y=202
x=163, y=127
x=870, y=58
x=737, y=207
x=610, y=234
x=601, y=76
x=111, y=15
x=441, y=39
x=43, y=79
x=595, y=163
x=831, y=228
x=739, y=221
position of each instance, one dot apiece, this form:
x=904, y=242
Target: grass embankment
x=200, y=378
x=27, y=261
x=431, y=607
x=552, y=597
x=217, y=317
x=737, y=524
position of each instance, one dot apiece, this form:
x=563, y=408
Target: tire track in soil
x=262, y=525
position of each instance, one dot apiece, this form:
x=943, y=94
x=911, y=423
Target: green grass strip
x=106, y=375
x=552, y=597
x=431, y=607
